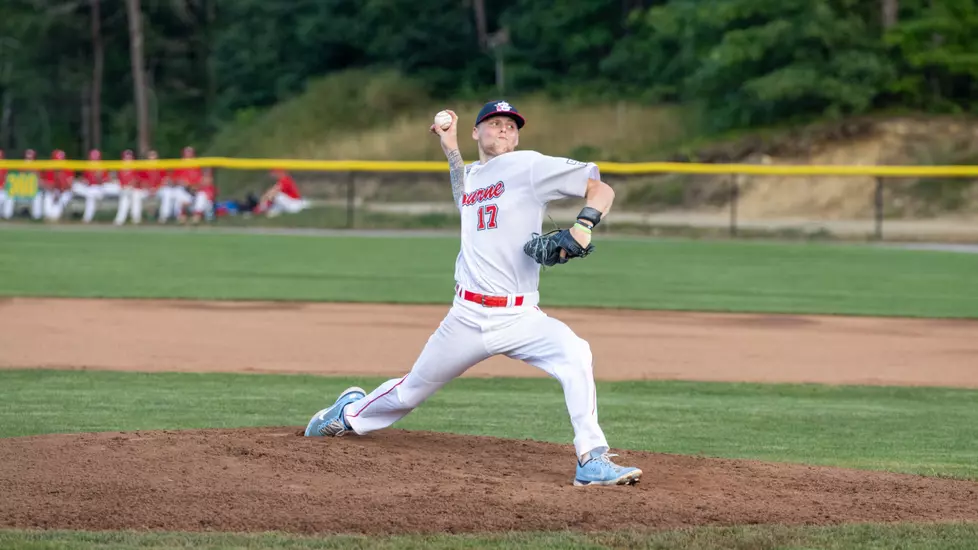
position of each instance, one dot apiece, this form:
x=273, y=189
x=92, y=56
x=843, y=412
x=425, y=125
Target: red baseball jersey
x=287, y=185
x=59, y=180
x=127, y=177
x=96, y=177
x=187, y=176
x=150, y=179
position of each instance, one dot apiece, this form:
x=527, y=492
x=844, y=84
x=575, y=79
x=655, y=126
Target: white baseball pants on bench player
x=471, y=333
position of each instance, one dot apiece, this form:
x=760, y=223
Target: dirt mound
x=411, y=482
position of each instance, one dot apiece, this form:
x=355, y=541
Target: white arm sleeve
x=559, y=177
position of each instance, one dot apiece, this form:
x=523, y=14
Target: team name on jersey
x=486, y=193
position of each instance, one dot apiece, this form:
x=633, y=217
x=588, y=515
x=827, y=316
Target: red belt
x=486, y=300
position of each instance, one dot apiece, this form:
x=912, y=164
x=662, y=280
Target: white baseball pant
x=165, y=197
x=130, y=200
x=7, y=211
x=471, y=333
x=180, y=198
x=92, y=194
x=202, y=203
x=37, y=205
x=284, y=203
x=52, y=205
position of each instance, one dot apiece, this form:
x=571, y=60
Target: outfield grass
x=632, y=273
x=863, y=537
x=929, y=431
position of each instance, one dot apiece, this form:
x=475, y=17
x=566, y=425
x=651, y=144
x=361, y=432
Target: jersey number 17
x=487, y=216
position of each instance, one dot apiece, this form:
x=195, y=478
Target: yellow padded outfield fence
x=617, y=168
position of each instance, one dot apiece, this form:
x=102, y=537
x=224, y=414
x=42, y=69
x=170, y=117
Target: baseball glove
x=545, y=249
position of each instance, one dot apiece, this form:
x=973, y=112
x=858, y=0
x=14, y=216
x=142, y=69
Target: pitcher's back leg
x=551, y=345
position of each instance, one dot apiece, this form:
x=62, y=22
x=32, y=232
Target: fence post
x=734, y=194
x=878, y=208
x=351, y=198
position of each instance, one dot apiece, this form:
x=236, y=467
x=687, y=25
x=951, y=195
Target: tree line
x=139, y=74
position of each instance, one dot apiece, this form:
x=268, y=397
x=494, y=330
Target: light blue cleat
x=600, y=470
x=330, y=422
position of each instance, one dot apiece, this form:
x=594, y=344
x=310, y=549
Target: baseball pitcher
x=502, y=199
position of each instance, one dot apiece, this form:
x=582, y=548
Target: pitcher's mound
x=410, y=482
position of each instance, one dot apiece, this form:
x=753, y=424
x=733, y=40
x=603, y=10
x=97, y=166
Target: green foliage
x=939, y=51
x=744, y=62
x=555, y=44
x=755, y=62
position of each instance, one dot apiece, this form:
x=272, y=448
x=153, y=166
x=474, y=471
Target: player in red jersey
x=185, y=182
x=91, y=186
x=153, y=182
x=204, y=198
x=56, y=183
x=284, y=196
x=128, y=191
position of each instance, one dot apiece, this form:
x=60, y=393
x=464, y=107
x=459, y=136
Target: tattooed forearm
x=457, y=167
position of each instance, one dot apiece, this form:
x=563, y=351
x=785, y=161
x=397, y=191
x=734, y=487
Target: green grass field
x=630, y=273
x=928, y=431
x=955, y=536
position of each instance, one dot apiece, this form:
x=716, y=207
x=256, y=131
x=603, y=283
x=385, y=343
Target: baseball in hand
x=443, y=120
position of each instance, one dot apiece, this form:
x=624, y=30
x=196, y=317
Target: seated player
x=130, y=196
x=153, y=183
x=91, y=186
x=204, y=198
x=57, y=188
x=185, y=182
x=284, y=196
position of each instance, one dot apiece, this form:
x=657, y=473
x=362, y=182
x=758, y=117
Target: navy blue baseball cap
x=500, y=108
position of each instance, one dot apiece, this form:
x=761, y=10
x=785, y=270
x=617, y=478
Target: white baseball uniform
x=503, y=205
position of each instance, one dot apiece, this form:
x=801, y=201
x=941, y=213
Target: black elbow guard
x=592, y=215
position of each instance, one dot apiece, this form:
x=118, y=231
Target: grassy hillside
x=385, y=116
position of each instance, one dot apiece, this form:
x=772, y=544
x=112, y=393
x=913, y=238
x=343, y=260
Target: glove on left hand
x=545, y=249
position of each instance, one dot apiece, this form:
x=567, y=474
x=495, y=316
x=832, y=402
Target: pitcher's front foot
x=330, y=421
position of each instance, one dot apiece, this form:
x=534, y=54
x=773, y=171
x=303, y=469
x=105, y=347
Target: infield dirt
x=384, y=340
x=408, y=482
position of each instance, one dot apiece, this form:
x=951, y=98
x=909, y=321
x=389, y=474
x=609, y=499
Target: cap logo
x=503, y=106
